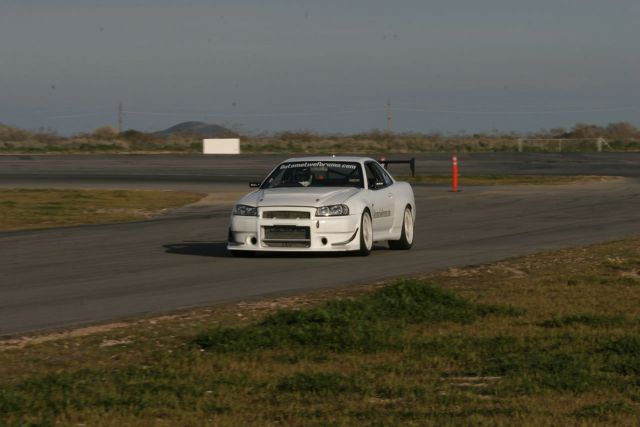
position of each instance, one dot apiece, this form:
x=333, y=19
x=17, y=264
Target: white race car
x=324, y=204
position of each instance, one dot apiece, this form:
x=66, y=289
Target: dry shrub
x=105, y=133
x=12, y=134
x=621, y=136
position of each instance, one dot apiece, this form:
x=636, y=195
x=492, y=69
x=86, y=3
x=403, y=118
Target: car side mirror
x=375, y=184
x=254, y=184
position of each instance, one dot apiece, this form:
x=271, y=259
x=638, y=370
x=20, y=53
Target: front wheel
x=406, y=237
x=366, y=234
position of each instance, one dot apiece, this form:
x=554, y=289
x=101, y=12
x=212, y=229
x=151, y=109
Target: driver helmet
x=303, y=176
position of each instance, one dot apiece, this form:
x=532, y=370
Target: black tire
x=407, y=234
x=366, y=237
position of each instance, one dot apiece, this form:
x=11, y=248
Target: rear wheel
x=366, y=234
x=406, y=236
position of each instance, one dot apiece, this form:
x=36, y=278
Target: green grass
x=22, y=209
x=367, y=324
x=591, y=320
x=547, y=339
x=505, y=179
x=608, y=410
x=326, y=383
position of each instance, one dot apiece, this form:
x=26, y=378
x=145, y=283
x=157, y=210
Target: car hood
x=311, y=197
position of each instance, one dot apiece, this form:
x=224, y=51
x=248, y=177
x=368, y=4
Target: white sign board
x=221, y=146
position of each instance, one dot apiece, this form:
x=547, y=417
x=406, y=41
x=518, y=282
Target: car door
x=382, y=199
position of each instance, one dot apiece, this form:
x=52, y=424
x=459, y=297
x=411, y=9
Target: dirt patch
x=125, y=211
x=21, y=342
x=473, y=382
x=632, y=274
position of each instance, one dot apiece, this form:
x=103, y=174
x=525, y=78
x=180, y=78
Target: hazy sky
x=330, y=65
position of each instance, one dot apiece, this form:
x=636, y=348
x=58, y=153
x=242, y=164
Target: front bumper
x=309, y=234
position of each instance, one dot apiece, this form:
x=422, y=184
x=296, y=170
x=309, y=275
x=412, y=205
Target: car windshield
x=315, y=174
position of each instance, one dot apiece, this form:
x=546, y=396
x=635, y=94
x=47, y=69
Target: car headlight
x=333, y=210
x=244, y=210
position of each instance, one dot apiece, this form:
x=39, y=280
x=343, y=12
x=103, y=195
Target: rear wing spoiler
x=412, y=163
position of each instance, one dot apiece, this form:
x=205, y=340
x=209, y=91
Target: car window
x=315, y=174
x=385, y=175
x=373, y=176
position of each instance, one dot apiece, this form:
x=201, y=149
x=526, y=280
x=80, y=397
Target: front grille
x=288, y=244
x=286, y=236
x=286, y=215
x=286, y=233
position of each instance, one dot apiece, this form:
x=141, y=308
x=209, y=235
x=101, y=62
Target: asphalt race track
x=79, y=275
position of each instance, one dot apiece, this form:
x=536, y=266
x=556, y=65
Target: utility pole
x=389, y=118
x=120, y=117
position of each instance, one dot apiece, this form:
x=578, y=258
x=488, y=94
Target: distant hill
x=201, y=129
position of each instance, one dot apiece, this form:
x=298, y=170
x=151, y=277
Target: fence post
x=519, y=145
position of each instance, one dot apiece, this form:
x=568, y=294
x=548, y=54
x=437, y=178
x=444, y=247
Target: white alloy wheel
x=408, y=226
x=406, y=235
x=366, y=234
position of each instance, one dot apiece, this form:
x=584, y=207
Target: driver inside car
x=303, y=176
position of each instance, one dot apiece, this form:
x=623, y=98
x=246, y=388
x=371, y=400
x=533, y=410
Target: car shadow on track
x=219, y=250
x=198, y=248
